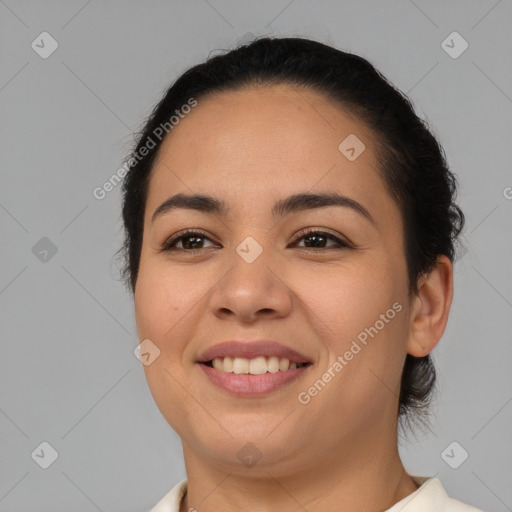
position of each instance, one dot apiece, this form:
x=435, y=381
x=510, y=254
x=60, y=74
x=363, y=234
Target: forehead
x=250, y=144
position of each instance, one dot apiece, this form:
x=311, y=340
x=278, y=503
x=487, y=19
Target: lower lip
x=247, y=385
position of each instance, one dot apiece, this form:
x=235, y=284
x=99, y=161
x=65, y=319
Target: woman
x=290, y=227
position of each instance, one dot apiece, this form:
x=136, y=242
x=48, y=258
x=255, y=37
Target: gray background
x=68, y=375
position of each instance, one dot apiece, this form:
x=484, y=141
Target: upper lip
x=250, y=350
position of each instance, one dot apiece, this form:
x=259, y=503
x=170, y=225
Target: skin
x=338, y=452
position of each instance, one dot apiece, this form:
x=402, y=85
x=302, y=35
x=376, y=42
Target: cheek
x=359, y=312
x=158, y=310
x=160, y=300
x=169, y=303
x=149, y=308
x=348, y=299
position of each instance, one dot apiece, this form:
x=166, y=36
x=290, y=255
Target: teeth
x=273, y=364
x=257, y=366
x=228, y=364
x=240, y=365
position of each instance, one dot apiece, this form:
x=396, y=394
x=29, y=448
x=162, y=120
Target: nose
x=249, y=291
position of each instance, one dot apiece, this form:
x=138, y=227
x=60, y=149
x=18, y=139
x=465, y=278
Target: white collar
x=428, y=497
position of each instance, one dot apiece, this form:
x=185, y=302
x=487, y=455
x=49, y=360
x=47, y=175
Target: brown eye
x=317, y=239
x=194, y=240
x=190, y=240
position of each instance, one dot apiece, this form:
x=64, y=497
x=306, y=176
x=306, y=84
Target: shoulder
x=431, y=496
x=172, y=500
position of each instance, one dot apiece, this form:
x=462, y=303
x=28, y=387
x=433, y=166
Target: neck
x=364, y=477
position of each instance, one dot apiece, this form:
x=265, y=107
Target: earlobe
x=430, y=309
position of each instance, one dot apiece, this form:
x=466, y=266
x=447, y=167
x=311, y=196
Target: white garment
x=429, y=497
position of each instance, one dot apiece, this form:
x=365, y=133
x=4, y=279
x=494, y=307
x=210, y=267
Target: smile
x=255, y=366
x=236, y=377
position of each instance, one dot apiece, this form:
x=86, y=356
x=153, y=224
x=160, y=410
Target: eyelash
x=188, y=233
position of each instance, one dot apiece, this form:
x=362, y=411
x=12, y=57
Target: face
x=337, y=297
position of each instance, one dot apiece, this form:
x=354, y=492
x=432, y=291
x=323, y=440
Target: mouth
x=254, y=366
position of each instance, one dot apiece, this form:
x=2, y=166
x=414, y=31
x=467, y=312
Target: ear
x=430, y=308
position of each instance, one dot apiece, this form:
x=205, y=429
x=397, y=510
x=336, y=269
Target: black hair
x=412, y=162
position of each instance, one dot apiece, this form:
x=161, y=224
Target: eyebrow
x=283, y=207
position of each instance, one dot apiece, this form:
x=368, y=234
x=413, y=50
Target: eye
x=188, y=237
x=317, y=237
